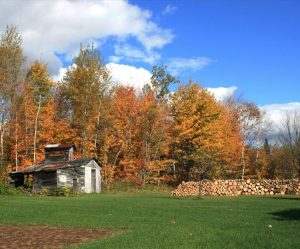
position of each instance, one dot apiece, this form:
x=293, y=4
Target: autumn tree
x=198, y=135
x=231, y=137
x=36, y=124
x=103, y=129
x=84, y=83
x=154, y=134
x=155, y=122
x=265, y=166
x=37, y=98
x=124, y=140
x=11, y=62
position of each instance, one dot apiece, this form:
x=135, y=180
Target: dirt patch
x=47, y=237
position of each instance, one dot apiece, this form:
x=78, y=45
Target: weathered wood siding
x=59, y=155
x=72, y=178
x=78, y=178
x=46, y=180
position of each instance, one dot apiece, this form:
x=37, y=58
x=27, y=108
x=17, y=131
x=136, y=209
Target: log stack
x=238, y=187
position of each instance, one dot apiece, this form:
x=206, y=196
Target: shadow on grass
x=181, y=198
x=185, y=198
x=286, y=198
x=290, y=214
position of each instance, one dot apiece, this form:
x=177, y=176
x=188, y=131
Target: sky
x=246, y=48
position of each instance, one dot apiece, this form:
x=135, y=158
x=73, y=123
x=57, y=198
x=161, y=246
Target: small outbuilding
x=60, y=169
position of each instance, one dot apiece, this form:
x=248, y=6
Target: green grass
x=161, y=221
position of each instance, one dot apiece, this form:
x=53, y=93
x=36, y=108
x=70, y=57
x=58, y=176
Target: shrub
x=59, y=191
x=44, y=192
x=28, y=184
x=63, y=191
x=5, y=189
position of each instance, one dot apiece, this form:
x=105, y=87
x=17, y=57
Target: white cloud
x=178, y=65
x=276, y=113
x=129, y=75
x=129, y=53
x=222, y=93
x=61, y=73
x=169, y=10
x=59, y=26
x=122, y=74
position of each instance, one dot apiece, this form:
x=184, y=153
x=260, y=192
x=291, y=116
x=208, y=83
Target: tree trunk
x=290, y=141
x=298, y=169
x=116, y=158
x=35, y=129
x=105, y=162
x=26, y=131
x=83, y=143
x=257, y=151
x=243, y=162
x=256, y=158
x=2, y=131
x=2, y=145
x=16, y=143
x=96, y=134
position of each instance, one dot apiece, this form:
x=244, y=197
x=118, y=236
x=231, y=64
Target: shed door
x=75, y=185
x=93, y=175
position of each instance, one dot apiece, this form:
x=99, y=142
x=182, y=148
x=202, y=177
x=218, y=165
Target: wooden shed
x=60, y=169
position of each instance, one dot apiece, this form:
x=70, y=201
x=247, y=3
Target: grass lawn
x=162, y=221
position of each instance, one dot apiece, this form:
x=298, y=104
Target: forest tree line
x=138, y=136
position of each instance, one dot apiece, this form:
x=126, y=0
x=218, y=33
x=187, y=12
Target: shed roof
x=53, y=166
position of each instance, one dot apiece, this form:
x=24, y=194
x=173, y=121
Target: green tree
x=160, y=82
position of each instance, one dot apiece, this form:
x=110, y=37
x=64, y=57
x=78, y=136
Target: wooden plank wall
x=66, y=177
x=46, y=180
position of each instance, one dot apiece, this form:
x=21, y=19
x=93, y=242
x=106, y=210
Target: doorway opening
x=93, y=175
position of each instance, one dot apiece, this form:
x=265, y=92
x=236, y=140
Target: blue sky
x=252, y=46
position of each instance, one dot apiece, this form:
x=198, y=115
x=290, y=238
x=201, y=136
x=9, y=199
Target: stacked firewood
x=238, y=187
x=187, y=189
